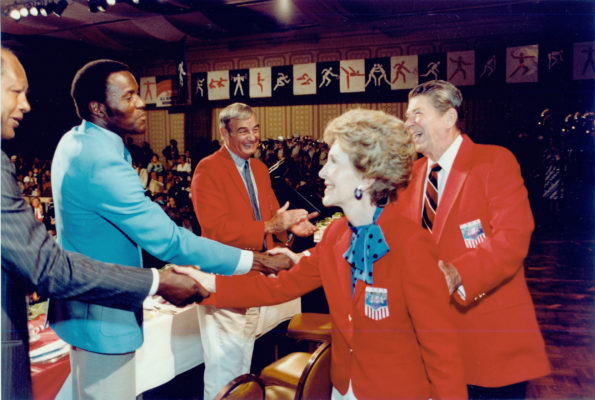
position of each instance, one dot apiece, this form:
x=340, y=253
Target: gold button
x=349, y=317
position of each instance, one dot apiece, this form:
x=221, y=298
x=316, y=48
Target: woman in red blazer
x=392, y=336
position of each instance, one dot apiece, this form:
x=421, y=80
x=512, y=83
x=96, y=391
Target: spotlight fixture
x=43, y=12
x=33, y=11
x=111, y=2
x=24, y=12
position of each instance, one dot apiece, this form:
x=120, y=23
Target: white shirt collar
x=448, y=157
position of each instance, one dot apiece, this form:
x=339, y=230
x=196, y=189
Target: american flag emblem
x=376, y=303
x=473, y=233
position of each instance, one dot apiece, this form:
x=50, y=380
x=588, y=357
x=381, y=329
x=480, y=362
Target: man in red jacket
x=235, y=204
x=472, y=199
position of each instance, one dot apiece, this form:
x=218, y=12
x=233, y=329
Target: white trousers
x=227, y=337
x=102, y=376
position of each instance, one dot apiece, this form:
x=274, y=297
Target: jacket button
x=349, y=317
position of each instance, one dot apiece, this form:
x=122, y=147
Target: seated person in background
x=183, y=167
x=392, y=336
x=156, y=183
x=37, y=209
x=155, y=165
x=235, y=204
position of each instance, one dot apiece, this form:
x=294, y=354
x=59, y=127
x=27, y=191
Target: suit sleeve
x=29, y=252
x=501, y=255
x=427, y=298
x=216, y=206
x=121, y=200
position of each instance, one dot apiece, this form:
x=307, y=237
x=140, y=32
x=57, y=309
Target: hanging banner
x=377, y=72
x=521, y=64
x=148, y=89
x=460, y=67
x=239, y=84
x=218, y=85
x=490, y=67
x=431, y=67
x=260, y=82
x=403, y=72
x=584, y=61
x=352, y=77
x=304, y=79
x=199, y=87
x=282, y=78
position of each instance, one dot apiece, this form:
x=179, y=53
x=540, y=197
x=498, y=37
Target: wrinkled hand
x=271, y=264
x=179, y=289
x=305, y=228
x=285, y=218
x=452, y=276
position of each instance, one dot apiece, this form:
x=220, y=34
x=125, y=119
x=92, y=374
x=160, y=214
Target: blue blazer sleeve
x=120, y=199
x=34, y=259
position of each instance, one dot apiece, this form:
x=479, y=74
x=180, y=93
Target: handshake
x=180, y=289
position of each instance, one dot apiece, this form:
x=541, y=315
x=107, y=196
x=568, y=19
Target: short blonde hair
x=378, y=146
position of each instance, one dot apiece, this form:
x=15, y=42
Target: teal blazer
x=102, y=212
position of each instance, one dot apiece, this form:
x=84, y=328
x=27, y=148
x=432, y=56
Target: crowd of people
x=422, y=274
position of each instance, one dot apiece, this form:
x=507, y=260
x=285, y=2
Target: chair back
x=315, y=381
x=244, y=387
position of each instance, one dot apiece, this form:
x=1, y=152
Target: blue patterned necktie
x=367, y=246
x=250, y=187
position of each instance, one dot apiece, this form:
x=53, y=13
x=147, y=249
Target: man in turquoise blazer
x=102, y=212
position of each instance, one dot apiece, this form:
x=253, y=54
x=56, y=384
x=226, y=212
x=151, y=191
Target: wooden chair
x=246, y=387
x=313, y=327
x=300, y=376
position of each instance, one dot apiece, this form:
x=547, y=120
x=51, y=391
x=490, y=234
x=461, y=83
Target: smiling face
x=125, y=110
x=340, y=178
x=14, y=94
x=242, y=136
x=432, y=131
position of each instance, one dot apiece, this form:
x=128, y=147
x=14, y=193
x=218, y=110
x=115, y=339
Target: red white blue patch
x=473, y=233
x=376, y=303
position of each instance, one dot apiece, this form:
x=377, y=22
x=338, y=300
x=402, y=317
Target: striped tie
x=431, y=198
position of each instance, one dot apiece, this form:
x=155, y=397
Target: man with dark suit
x=32, y=260
x=235, y=204
x=472, y=200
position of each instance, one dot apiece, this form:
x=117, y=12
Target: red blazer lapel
x=454, y=184
x=343, y=268
x=417, y=190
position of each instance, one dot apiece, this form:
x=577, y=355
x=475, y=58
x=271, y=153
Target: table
x=171, y=346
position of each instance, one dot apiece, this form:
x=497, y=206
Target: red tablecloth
x=47, y=377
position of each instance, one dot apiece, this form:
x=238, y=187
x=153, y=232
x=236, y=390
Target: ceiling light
x=43, y=12
x=24, y=12
x=111, y=2
x=15, y=14
x=33, y=11
x=136, y=1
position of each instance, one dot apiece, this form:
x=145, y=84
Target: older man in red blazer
x=235, y=204
x=472, y=199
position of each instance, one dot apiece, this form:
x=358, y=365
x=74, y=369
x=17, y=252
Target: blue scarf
x=367, y=246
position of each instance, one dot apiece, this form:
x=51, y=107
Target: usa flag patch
x=473, y=233
x=376, y=303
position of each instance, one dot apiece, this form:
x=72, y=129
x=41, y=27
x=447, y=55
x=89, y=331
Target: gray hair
x=444, y=95
x=235, y=110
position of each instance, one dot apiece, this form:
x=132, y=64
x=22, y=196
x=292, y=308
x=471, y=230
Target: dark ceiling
x=127, y=26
